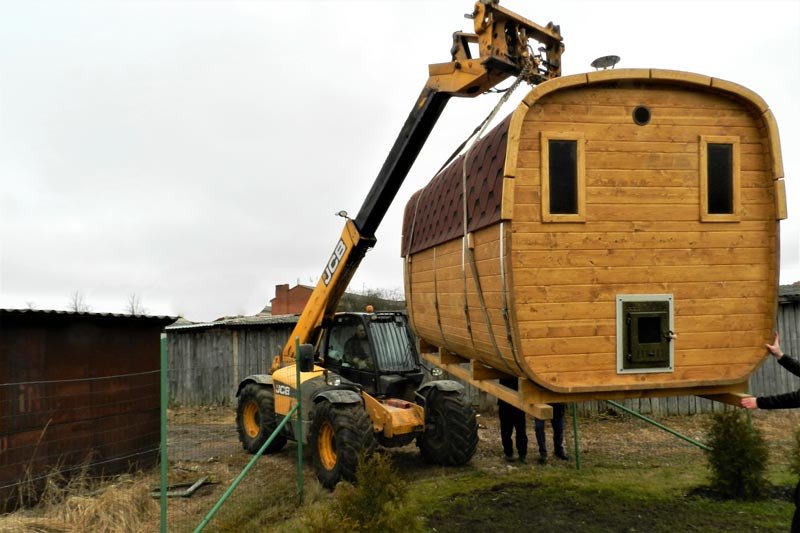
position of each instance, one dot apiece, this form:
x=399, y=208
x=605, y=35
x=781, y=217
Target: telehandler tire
x=451, y=429
x=255, y=419
x=339, y=434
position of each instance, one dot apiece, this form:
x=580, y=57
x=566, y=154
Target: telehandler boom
x=348, y=408
x=502, y=38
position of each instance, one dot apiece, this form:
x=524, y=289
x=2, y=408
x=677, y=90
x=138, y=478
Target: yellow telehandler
x=360, y=374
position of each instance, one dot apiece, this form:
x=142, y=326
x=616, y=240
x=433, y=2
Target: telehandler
x=360, y=375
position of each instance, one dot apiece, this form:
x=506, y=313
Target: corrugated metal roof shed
x=789, y=293
x=75, y=389
x=239, y=321
x=44, y=312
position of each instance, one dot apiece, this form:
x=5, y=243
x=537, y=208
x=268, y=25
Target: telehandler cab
x=350, y=407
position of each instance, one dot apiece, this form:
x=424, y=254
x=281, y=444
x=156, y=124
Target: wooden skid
x=534, y=400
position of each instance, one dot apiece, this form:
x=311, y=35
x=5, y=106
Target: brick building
x=290, y=301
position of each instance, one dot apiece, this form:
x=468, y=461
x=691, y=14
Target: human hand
x=749, y=402
x=775, y=347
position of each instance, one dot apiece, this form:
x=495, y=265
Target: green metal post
x=575, y=436
x=299, y=425
x=244, y=472
x=163, y=492
x=659, y=426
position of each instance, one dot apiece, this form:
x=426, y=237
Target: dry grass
x=125, y=505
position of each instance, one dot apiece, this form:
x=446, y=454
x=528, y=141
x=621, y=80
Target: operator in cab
x=356, y=349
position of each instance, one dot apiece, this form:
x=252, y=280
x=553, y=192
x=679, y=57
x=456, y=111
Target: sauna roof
x=435, y=214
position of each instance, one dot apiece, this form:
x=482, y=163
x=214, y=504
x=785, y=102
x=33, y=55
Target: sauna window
x=719, y=179
x=644, y=333
x=563, y=182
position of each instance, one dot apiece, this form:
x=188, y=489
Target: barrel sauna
x=620, y=240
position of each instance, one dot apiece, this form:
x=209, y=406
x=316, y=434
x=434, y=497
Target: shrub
x=375, y=503
x=738, y=458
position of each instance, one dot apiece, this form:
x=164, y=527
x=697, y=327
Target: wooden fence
x=206, y=363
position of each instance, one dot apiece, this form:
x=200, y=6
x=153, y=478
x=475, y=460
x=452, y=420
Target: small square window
x=719, y=179
x=563, y=181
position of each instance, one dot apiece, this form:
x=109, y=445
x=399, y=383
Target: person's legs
x=541, y=439
x=558, y=431
x=506, y=427
x=521, y=434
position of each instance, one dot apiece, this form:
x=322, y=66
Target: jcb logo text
x=333, y=262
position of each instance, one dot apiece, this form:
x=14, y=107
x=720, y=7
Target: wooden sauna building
x=621, y=241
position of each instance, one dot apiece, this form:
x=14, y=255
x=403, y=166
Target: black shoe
x=561, y=454
x=522, y=459
x=509, y=458
x=542, y=459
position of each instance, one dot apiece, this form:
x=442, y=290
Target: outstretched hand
x=749, y=402
x=775, y=347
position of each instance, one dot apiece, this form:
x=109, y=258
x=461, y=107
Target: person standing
x=558, y=434
x=789, y=400
x=512, y=420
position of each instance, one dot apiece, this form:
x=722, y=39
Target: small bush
x=375, y=503
x=738, y=459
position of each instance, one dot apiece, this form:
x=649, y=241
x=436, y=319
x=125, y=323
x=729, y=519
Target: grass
x=596, y=500
x=633, y=479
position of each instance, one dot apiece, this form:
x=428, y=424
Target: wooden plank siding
x=770, y=378
x=205, y=365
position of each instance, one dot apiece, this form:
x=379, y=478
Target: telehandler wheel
x=338, y=434
x=451, y=429
x=255, y=419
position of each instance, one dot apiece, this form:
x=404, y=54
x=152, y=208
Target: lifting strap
x=468, y=254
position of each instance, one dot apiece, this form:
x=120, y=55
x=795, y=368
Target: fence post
x=164, y=391
x=575, y=436
x=299, y=431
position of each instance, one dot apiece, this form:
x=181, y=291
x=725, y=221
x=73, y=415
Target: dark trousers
x=512, y=420
x=558, y=430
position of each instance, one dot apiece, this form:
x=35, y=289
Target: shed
x=206, y=361
x=615, y=236
x=77, y=390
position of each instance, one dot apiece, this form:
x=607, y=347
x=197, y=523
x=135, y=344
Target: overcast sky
x=194, y=153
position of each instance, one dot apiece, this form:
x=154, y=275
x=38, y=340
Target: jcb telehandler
x=366, y=386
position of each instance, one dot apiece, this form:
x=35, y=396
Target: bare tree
x=30, y=306
x=77, y=303
x=135, y=306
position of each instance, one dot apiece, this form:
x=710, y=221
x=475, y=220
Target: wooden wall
x=205, y=365
x=771, y=378
x=643, y=235
x=77, y=390
x=443, y=288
